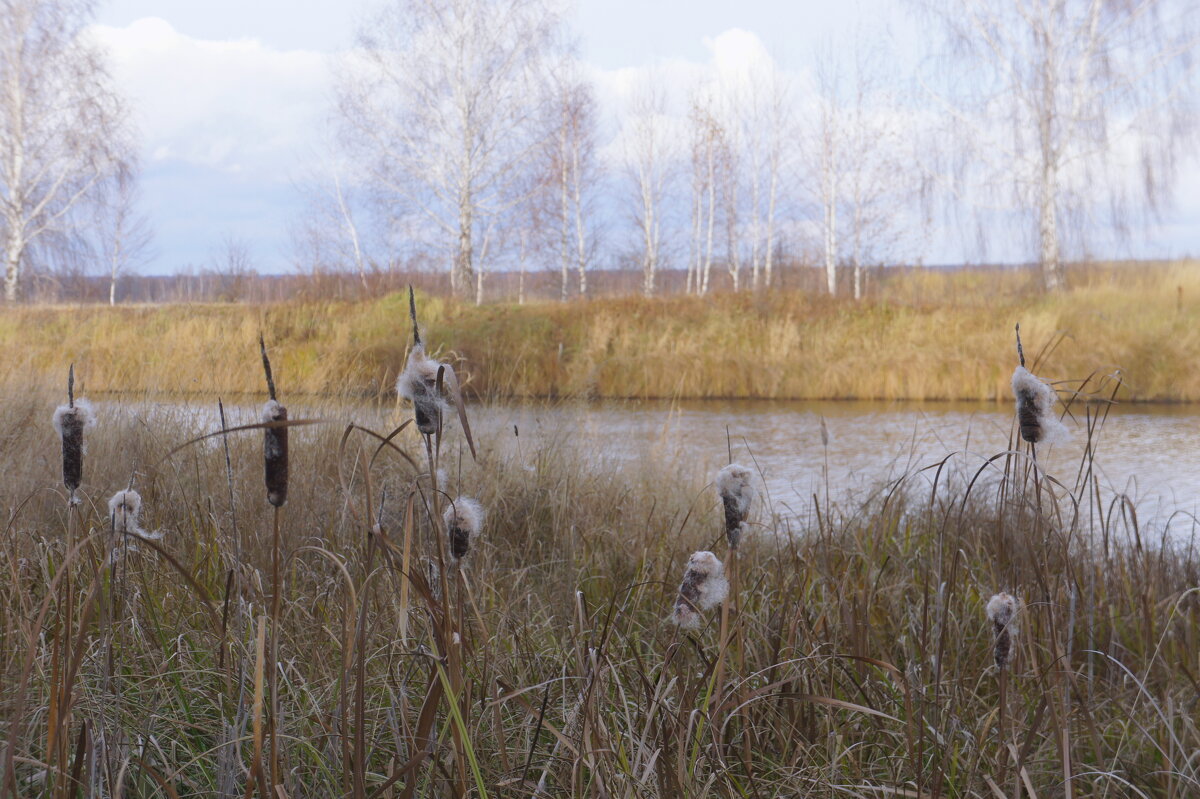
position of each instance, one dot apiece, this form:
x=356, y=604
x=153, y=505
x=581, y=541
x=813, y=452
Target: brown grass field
x=928, y=335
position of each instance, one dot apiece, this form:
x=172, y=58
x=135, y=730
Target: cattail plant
x=1001, y=612
x=418, y=383
x=70, y=421
x=464, y=520
x=275, y=439
x=275, y=472
x=703, y=588
x=1035, y=404
x=733, y=484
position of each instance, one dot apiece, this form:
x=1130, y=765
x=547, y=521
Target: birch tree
x=330, y=232
x=1068, y=109
x=442, y=104
x=707, y=137
x=573, y=175
x=61, y=126
x=765, y=118
x=880, y=174
x=648, y=154
x=124, y=236
x=825, y=141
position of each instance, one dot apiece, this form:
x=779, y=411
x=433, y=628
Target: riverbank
x=929, y=336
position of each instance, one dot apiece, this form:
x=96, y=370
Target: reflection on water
x=1150, y=453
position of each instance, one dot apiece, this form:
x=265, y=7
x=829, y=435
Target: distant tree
x=648, y=155
x=232, y=269
x=825, y=141
x=708, y=143
x=576, y=174
x=442, y=104
x=123, y=233
x=62, y=126
x=328, y=235
x=881, y=177
x=858, y=145
x=764, y=117
x=1071, y=108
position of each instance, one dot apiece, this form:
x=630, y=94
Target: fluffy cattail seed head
x=704, y=587
x=1001, y=612
x=70, y=421
x=1035, y=408
x=418, y=384
x=464, y=520
x=123, y=508
x=733, y=484
x=275, y=453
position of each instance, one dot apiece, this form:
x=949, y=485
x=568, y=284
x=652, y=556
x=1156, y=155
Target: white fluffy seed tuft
x=1035, y=408
x=1002, y=609
x=82, y=410
x=703, y=588
x=464, y=520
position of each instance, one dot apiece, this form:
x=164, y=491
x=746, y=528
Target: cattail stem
x=1003, y=764
x=273, y=663
x=1020, y=349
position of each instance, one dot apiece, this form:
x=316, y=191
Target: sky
x=232, y=99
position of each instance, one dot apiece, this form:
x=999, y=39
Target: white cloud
x=233, y=105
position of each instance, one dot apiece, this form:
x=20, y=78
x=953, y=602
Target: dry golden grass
x=926, y=335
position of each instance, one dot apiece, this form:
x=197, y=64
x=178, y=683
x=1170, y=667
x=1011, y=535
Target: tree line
x=467, y=136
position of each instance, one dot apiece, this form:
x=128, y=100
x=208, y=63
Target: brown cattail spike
x=464, y=521
x=1035, y=408
x=704, y=587
x=275, y=452
x=70, y=421
x=275, y=439
x=737, y=492
x=418, y=383
x=1001, y=612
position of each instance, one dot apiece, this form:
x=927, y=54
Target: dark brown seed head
x=427, y=407
x=1027, y=417
x=733, y=522
x=1003, y=645
x=1001, y=612
x=464, y=521
x=275, y=453
x=460, y=542
x=72, y=449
